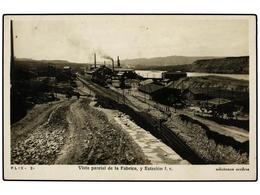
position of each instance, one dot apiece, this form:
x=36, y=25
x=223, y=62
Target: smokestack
x=118, y=61
x=95, y=61
x=113, y=68
x=104, y=63
x=110, y=58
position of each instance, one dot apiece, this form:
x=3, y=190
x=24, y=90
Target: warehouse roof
x=147, y=81
x=123, y=69
x=175, y=73
x=150, y=88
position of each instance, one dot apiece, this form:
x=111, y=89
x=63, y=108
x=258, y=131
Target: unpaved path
x=41, y=137
x=71, y=132
x=34, y=118
x=94, y=140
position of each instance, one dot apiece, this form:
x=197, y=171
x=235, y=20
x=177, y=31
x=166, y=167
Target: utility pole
x=219, y=96
x=123, y=96
x=181, y=85
x=149, y=89
x=12, y=51
x=207, y=95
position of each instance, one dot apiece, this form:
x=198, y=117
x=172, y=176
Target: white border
x=179, y=172
x=91, y=6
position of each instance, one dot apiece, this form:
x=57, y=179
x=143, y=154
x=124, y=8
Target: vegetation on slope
x=229, y=65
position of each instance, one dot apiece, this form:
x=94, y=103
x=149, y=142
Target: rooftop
x=147, y=81
x=123, y=69
x=150, y=88
x=175, y=72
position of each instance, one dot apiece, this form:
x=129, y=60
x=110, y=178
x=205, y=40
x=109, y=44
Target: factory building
x=162, y=94
x=218, y=107
x=150, y=88
x=212, y=92
x=101, y=75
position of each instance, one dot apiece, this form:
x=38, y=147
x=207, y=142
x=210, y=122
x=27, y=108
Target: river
x=158, y=74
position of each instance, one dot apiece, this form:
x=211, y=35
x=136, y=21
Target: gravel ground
x=43, y=144
x=72, y=132
x=102, y=142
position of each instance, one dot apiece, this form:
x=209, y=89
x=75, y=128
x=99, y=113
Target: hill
x=146, y=63
x=38, y=64
x=225, y=65
x=228, y=65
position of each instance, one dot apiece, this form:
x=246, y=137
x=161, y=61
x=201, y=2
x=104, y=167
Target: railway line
x=143, y=119
x=105, y=92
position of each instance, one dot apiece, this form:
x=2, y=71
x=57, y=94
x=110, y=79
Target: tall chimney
x=113, y=68
x=95, y=61
x=118, y=61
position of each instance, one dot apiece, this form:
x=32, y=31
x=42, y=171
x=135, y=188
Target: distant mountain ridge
x=228, y=65
x=43, y=61
x=163, y=61
x=225, y=65
x=27, y=62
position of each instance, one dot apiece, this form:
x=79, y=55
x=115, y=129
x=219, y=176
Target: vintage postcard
x=130, y=97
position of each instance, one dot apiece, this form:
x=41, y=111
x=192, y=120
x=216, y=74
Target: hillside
x=214, y=82
x=145, y=63
x=229, y=65
x=226, y=65
x=38, y=64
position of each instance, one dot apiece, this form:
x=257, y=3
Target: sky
x=76, y=38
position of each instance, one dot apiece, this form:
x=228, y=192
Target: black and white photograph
x=130, y=96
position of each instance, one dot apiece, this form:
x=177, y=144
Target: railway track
x=99, y=90
x=143, y=119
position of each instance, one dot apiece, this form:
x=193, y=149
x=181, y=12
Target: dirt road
x=71, y=132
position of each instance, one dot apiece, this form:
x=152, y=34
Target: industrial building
x=101, y=74
x=160, y=93
x=217, y=107
x=212, y=92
